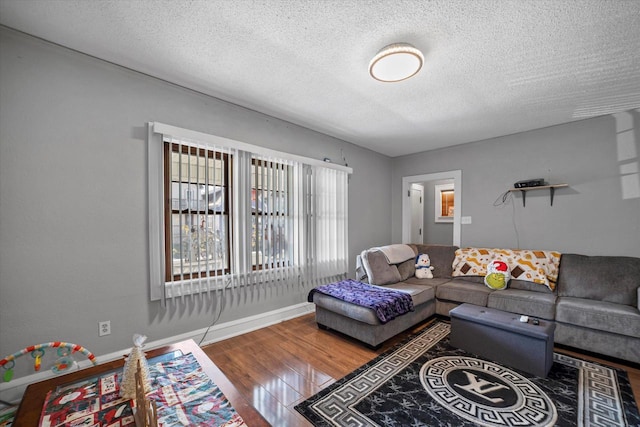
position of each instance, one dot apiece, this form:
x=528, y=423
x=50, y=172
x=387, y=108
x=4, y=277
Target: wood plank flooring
x=279, y=366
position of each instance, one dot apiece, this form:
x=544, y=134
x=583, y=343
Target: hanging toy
x=128, y=384
x=8, y=370
x=37, y=354
x=64, y=361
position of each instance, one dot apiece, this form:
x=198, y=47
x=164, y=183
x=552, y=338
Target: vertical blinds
x=328, y=212
x=242, y=215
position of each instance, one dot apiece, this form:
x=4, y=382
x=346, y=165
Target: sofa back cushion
x=604, y=278
x=526, y=285
x=407, y=269
x=441, y=257
x=380, y=272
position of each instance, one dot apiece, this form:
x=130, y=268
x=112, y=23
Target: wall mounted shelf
x=552, y=189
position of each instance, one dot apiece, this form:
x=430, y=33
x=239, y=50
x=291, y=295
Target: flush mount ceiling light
x=396, y=62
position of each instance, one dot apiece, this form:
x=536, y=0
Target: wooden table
x=30, y=408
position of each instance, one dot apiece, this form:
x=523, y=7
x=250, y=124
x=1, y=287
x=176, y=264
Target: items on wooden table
x=146, y=414
x=185, y=382
x=135, y=361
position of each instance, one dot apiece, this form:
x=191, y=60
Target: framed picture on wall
x=444, y=206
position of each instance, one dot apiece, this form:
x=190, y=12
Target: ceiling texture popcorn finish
x=491, y=67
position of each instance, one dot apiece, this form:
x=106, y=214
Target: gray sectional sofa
x=595, y=304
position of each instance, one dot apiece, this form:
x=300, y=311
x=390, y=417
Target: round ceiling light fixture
x=396, y=62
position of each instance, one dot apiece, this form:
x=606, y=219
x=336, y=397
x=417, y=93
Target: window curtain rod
x=194, y=136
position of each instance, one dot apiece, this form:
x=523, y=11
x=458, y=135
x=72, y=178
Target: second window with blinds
x=270, y=189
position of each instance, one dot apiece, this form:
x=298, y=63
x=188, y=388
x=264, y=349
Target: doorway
x=407, y=185
x=417, y=213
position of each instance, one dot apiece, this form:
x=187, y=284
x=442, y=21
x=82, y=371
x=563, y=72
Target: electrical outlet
x=104, y=328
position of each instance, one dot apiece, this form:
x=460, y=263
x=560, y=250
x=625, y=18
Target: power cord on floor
x=215, y=320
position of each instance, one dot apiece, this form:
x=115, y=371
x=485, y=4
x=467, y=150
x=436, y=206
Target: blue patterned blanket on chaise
x=387, y=303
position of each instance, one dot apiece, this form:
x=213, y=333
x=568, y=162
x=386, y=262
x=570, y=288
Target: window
x=270, y=222
x=226, y=213
x=444, y=197
x=197, y=217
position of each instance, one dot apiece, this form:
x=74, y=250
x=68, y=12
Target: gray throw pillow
x=380, y=272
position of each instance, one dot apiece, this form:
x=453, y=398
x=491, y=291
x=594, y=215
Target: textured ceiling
x=492, y=68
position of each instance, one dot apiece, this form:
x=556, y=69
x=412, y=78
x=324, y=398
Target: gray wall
x=596, y=214
x=438, y=233
x=73, y=191
x=73, y=215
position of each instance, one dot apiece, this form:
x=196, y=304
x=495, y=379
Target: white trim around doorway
x=456, y=175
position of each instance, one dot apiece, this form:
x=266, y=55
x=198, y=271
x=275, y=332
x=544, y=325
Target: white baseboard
x=13, y=391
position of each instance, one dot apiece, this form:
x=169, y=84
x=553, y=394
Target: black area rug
x=426, y=382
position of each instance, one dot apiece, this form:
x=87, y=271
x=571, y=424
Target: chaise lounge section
x=361, y=322
x=594, y=303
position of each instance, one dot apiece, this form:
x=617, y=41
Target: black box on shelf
x=537, y=182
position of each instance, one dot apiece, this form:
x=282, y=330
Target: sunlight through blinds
x=242, y=215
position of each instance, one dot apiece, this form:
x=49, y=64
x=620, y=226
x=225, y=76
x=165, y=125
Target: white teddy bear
x=423, y=267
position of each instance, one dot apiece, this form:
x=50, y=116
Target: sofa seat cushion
x=434, y=283
x=347, y=309
x=599, y=315
x=536, y=304
x=419, y=295
x=461, y=291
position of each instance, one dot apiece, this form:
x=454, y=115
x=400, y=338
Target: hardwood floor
x=279, y=366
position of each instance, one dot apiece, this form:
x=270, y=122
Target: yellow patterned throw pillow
x=534, y=266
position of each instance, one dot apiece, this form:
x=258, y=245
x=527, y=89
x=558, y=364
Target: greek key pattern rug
x=426, y=382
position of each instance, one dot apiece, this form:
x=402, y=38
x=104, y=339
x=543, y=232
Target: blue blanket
x=387, y=303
